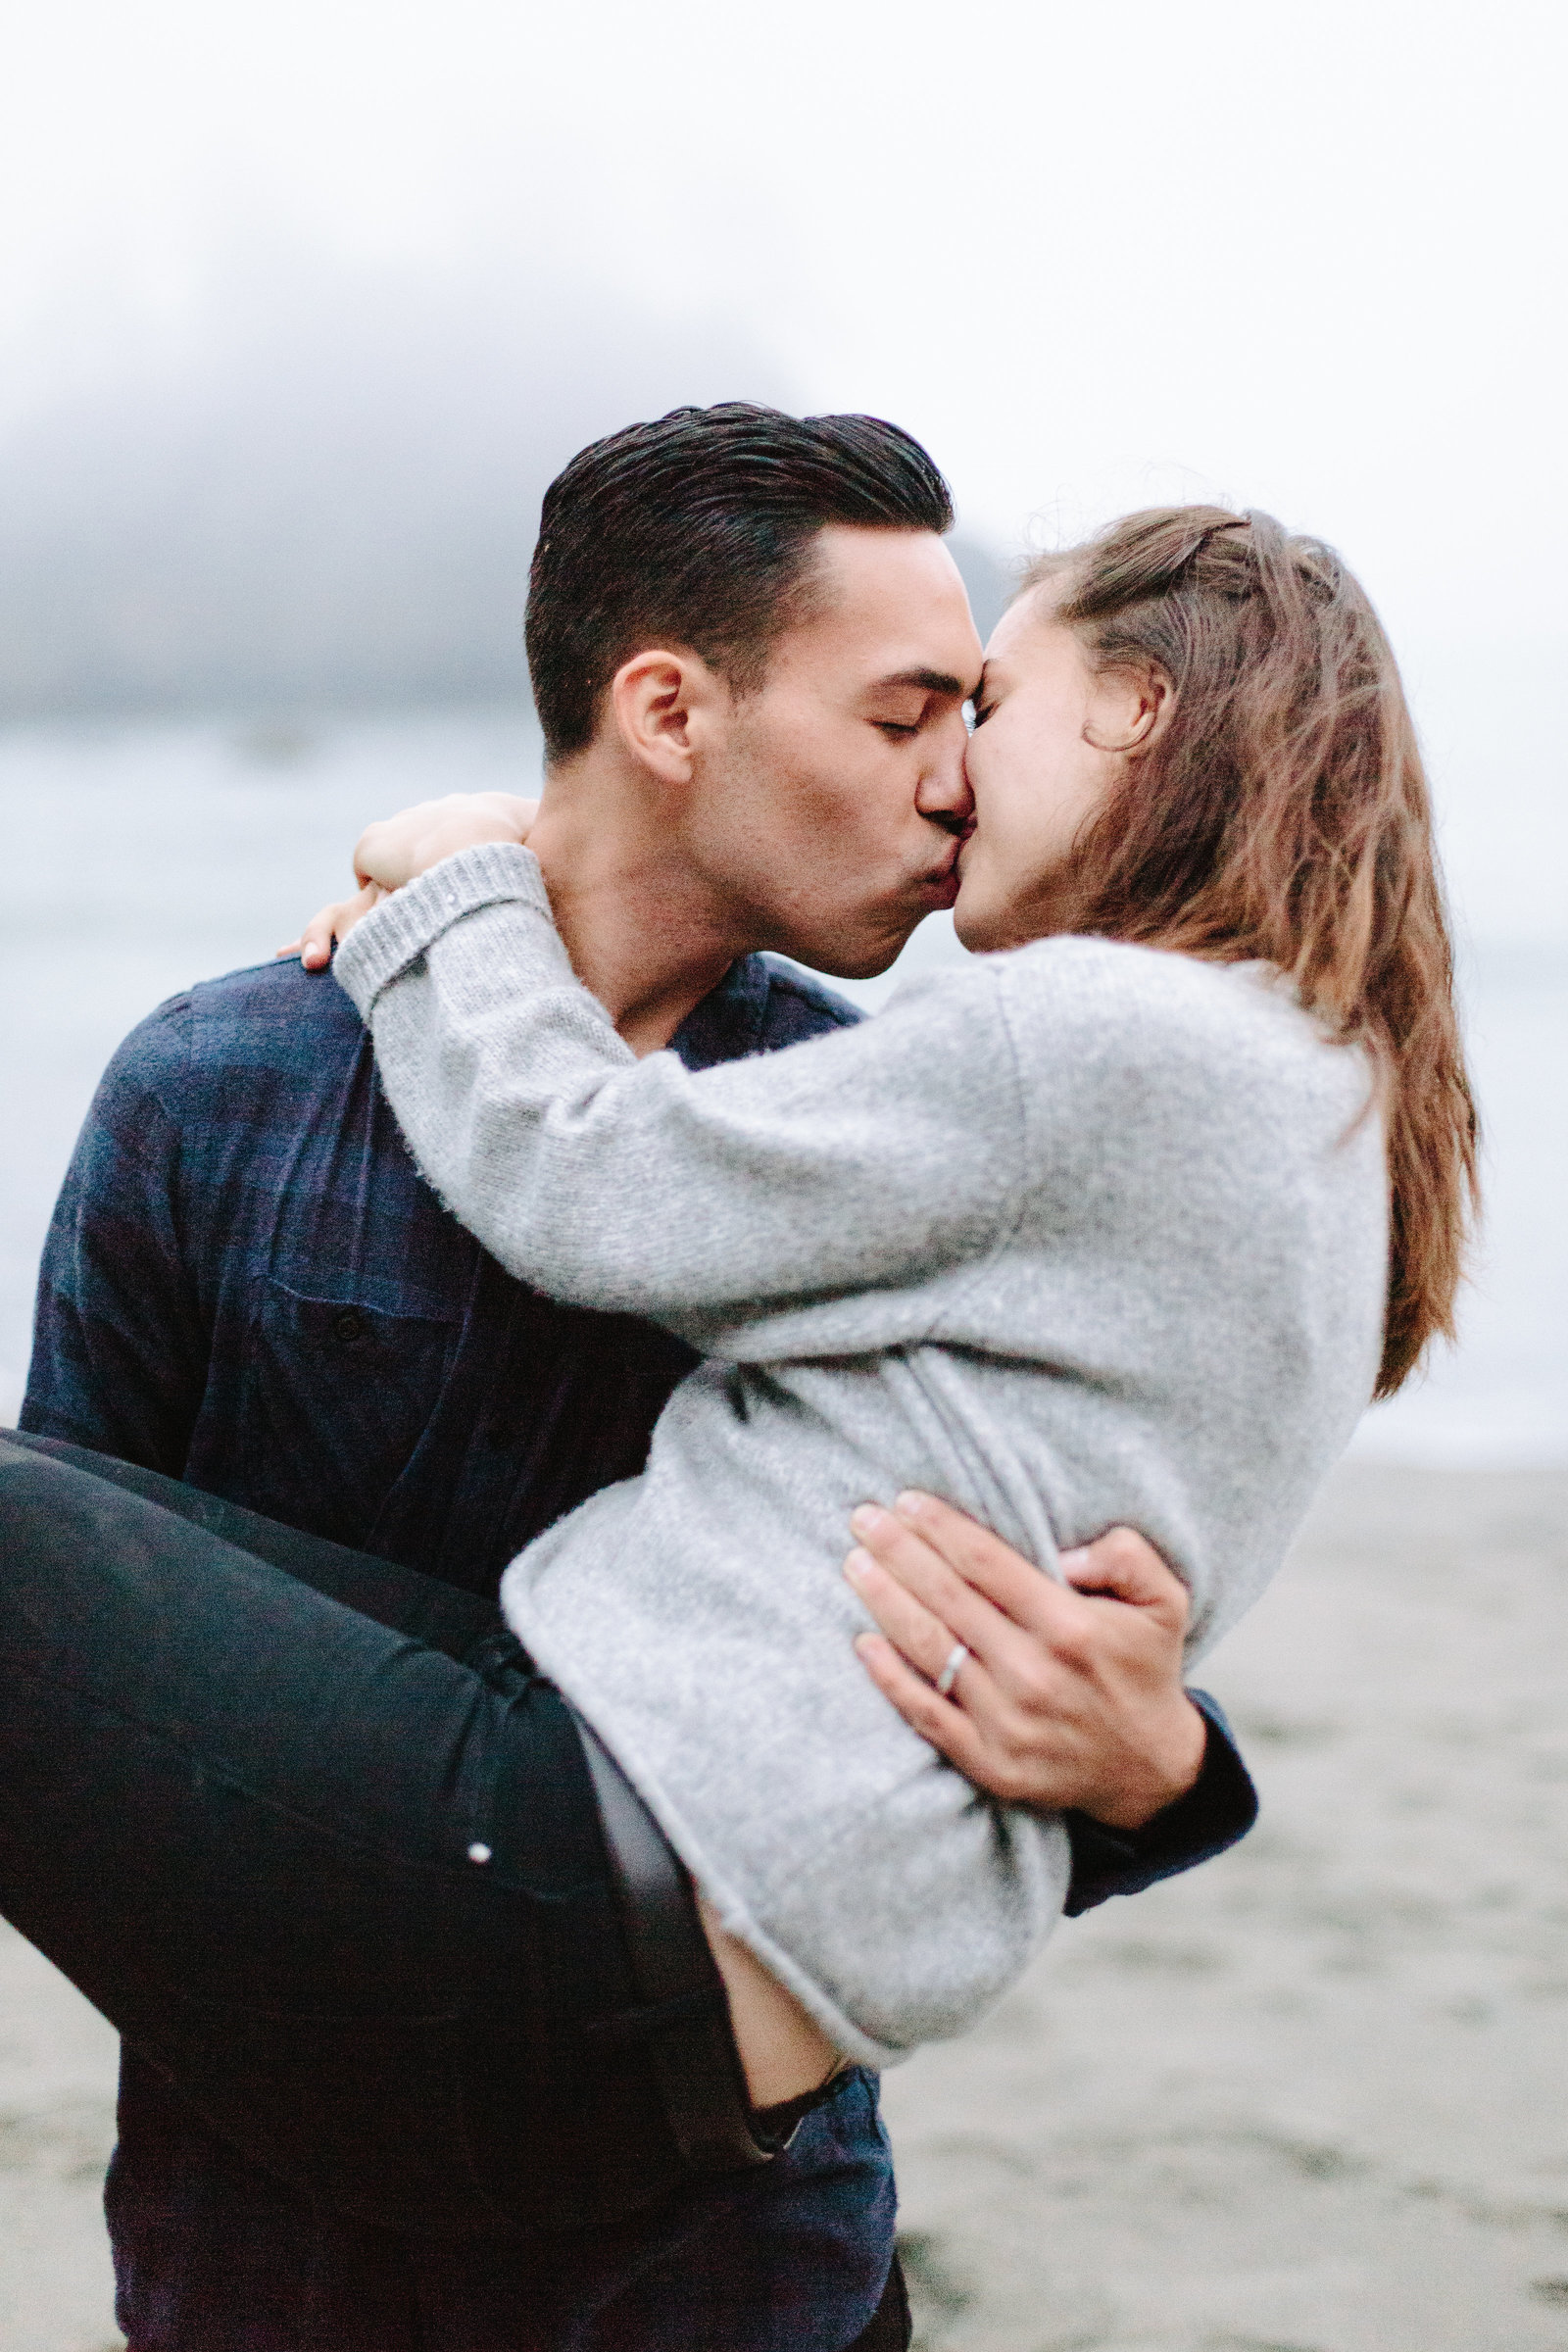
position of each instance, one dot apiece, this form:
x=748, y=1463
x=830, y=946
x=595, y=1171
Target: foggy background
x=301, y=307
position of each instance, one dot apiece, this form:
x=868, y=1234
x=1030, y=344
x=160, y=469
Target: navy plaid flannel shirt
x=248, y=1286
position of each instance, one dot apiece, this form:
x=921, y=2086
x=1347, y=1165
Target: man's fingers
x=938, y=1720
x=942, y=1553
x=974, y=1553
x=915, y=1631
x=993, y=1634
x=1072, y=1696
x=1121, y=1565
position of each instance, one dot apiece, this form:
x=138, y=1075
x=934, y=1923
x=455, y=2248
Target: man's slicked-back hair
x=696, y=531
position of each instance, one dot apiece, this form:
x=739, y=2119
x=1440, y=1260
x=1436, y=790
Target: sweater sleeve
x=852, y=1162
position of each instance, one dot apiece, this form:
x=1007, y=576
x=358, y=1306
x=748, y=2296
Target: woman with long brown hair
x=1123, y=1222
x=1286, y=817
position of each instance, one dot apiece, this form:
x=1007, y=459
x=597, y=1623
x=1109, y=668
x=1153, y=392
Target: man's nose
x=944, y=795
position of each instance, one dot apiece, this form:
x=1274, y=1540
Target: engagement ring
x=950, y=1672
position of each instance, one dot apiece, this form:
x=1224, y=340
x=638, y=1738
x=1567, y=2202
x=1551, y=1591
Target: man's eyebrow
x=929, y=681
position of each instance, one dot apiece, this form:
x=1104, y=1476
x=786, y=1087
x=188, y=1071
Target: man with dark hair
x=751, y=652
x=699, y=530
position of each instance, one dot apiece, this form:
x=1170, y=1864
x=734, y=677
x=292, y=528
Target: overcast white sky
x=1310, y=258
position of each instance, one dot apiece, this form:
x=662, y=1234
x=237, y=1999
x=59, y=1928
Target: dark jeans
x=327, y=1854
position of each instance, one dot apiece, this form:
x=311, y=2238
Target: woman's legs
x=348, y=1889
x=445, y=1616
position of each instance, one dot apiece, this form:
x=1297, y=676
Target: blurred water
x=141, y=858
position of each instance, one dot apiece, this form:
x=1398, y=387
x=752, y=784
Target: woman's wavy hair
x=1283, y=812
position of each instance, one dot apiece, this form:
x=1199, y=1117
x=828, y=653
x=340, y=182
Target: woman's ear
x=1128, y=709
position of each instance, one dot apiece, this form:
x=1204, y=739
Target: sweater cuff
x=404, y=926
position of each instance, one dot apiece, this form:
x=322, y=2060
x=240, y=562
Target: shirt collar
x=728, y=1022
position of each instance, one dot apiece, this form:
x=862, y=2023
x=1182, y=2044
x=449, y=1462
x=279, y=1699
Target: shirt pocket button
x=347, y=1326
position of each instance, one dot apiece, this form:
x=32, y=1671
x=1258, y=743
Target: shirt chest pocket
x=336, y=1395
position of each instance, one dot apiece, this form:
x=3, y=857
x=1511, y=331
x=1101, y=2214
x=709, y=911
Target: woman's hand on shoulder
x=394, y=849
x=1058, y=1698
x=331, y=925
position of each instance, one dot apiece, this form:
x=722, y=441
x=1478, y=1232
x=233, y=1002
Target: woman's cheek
x=981, y=902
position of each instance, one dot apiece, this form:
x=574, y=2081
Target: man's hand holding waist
x=1064, y=1697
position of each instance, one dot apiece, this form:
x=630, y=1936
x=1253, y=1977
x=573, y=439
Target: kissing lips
x=941, y=883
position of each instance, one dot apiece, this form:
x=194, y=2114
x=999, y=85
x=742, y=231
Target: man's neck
x=645, y=932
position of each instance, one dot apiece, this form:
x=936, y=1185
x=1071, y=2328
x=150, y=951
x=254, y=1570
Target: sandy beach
x=1312, y=2098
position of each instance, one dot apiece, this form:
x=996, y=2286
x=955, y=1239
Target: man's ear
x=662, y=702
x=1128, y=709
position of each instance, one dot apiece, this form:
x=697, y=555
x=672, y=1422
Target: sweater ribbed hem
x=404, y=926
x=735, y=1913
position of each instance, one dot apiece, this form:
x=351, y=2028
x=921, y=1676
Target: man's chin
x=873, y=946
x=840, y=965
x=864, y=958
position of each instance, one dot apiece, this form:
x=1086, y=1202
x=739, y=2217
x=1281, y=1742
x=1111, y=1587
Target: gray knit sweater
x=1080, y=1234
